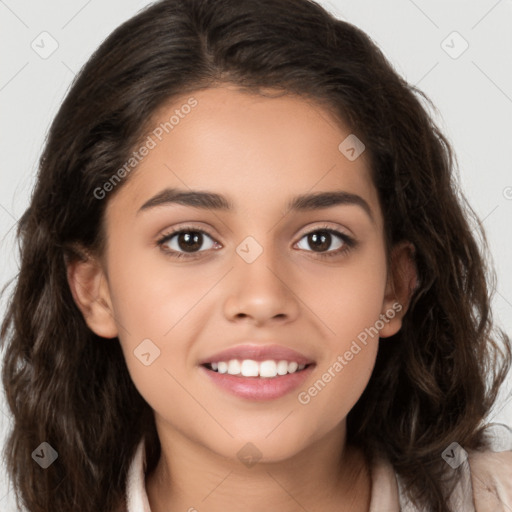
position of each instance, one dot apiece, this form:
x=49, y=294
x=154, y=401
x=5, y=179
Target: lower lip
x=259, y=388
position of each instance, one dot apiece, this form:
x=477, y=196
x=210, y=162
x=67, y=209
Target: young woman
x=248, y=281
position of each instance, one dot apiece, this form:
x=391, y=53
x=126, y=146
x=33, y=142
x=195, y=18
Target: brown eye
x=321, y=240
x=185, y=241
x=327, y=242
x=189, y=241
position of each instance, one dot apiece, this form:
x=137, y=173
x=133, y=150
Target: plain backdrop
x=458, y=52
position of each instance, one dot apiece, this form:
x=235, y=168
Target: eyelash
x=349, y=242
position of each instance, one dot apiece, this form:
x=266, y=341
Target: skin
x=259, y=152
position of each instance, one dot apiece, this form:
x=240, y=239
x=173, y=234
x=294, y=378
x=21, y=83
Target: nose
x=261, y=291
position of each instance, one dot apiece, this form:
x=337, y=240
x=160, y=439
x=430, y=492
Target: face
x=183, y=282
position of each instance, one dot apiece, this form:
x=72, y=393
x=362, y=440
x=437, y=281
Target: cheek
x=151, y=295
x=349, y=298
x=349, y=303
x=160, y=311
x=343, y=373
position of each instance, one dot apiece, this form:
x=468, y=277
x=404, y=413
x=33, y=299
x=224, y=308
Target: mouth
x=257, y=381
x=257, y=372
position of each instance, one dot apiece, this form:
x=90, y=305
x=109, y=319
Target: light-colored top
x=486, y=485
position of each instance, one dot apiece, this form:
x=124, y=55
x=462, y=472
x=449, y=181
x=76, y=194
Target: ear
x=90, y=290
x=402, y=281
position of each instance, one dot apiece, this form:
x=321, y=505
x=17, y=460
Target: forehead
x=251, y=148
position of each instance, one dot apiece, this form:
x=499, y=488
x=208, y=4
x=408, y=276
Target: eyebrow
x=213, y=201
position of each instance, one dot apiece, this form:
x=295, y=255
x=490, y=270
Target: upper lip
x=258, y=353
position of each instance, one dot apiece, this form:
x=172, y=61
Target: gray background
x=472, y=90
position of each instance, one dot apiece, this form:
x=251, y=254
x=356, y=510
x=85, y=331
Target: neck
x=327, y=475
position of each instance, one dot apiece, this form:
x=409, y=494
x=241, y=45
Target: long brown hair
x=434, y=381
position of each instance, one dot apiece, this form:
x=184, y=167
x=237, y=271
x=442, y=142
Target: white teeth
x=250, y=368
x=268, y=369
x=233, y=367
x=282, y=367
x=292, y=367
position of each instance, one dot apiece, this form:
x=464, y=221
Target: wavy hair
x=435, y=381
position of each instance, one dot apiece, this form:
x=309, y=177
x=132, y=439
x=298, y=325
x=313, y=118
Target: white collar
x=136, y=496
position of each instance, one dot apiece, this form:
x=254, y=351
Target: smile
x=251, y=368
x=252, y=380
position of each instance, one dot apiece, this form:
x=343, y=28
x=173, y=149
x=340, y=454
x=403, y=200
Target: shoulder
x=491, y=479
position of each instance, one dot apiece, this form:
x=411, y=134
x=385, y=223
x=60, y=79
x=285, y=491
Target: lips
x=256, y=388
x=258, y=353
x=245, y=370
